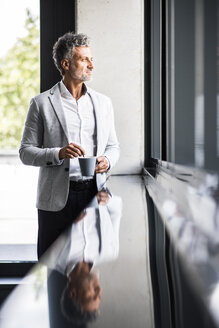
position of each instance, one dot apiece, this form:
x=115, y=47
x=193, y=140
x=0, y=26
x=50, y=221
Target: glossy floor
x=122, y=263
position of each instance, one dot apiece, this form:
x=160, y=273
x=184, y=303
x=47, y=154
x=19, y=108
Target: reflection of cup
x=87, y=165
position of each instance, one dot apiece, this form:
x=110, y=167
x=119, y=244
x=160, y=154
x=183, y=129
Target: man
x=65, y=122
x=76, y=253
x=81, y=297
x=73, y=301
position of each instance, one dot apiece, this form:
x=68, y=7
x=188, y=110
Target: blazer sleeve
x=112, y=150
x=31, y=150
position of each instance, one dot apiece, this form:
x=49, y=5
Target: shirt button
x=67, y=169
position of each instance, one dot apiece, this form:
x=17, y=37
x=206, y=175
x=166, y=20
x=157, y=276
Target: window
x=19, y=81
x=184, y=82
x=19, y=66
x=182, y=158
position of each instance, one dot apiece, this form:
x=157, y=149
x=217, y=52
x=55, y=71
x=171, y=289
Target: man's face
x=89, y=292
x=82, y=64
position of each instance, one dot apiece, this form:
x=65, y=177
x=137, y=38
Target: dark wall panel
x=56, y=18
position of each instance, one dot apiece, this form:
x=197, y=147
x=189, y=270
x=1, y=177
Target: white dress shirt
x=81, y=125
x=81, y=242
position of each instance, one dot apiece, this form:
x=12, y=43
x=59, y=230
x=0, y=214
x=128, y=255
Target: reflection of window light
x=199, y=84
x=214, y=301
x=29, y=301
x=199, y=130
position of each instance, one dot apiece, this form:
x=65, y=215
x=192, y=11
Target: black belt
x=82, y=184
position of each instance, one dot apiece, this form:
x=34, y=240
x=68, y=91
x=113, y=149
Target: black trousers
x=52, y=224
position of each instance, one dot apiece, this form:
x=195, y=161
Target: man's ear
x=72, y=292
x=65, y=64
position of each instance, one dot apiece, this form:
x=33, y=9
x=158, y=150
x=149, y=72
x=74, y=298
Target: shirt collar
x=66, y=94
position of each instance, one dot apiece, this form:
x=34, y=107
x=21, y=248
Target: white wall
x=116, y=30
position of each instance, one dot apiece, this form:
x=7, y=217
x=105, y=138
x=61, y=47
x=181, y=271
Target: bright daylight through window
x=19, y=81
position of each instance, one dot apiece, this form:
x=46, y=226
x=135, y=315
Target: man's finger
x=72, y=152
x=100, y=165
x=72, y=149
x=100, y=170
x=80, y=150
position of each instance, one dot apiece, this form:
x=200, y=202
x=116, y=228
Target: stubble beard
x=86, y=77
x=83, y=77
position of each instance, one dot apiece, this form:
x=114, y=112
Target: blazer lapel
x=56, y=103
x=97, y=117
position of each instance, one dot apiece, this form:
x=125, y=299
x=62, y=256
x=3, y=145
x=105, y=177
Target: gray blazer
x=46, y=130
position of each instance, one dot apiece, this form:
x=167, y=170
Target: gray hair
x=64, y=46
x=73, y=311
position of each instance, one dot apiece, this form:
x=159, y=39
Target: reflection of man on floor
x=65, y=122
x=80, y=300
x=90, y=241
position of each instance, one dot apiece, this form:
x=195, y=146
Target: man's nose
x=98, y=290
x=90, y=65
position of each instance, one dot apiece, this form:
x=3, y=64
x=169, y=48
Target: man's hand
x=71, y=151
x=103, y=197
x=102, y=164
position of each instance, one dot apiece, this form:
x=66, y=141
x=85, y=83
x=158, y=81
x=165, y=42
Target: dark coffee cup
x=87, y=165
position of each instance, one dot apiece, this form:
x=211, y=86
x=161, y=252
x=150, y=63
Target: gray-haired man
x=65, y=122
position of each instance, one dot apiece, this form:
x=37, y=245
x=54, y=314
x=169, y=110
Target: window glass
x=19, y=66
x=192, y=83
x=155, y=79
x=184, y=63
x=210, y=85
x=19, y=81
x=217, y=80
